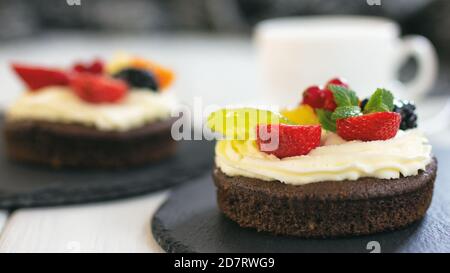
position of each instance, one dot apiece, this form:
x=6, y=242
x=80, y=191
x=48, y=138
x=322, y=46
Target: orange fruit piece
x=164, y=75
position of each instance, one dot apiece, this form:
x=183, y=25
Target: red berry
x=329, y=103
x=314, y=97
x=36, y=77
x=375, y=126
x=98, y=89
x=284, y=140
x=95, y=67
x=338, y=81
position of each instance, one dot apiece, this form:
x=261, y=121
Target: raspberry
x=338, y=81
x=375, y=126
x=329, y=103
x=95, y=67
x=314, y=97
x=97, y=89
x=319, y=98
x=292, y=140
x=36, y=77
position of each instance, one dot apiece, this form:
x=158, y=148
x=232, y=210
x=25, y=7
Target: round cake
x=365, y=175
x=93, y=115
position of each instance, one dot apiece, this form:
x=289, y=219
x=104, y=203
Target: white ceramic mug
x=294, y=53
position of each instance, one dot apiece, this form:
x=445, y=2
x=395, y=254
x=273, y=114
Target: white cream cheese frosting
x=336, y=160
x=60, y=104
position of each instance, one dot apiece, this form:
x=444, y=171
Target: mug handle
x=424, y=52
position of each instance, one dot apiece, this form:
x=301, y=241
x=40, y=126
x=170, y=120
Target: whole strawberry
x=374, y=126
x=284, y=140
x=98, y=89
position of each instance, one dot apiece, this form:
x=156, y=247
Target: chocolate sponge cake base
x=74, y=145
x=326, y=209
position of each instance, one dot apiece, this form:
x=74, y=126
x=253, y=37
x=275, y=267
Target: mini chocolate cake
x=333, y=166
x=326, y=209
x=73, y=145
x=98, y=114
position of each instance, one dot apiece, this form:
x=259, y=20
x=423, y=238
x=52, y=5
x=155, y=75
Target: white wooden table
x=219, y=69
x=120, y=226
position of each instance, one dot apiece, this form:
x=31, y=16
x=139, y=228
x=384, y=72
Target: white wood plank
x=3, y=217
x=121, y=226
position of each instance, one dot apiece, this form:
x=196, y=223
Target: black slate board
x=190, y=221
x=23, y=185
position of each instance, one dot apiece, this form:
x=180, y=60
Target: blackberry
x=138, y=78
x=363, y=103
x=407, y=110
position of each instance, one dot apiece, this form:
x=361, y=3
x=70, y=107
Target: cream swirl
x=60, y=104
x=336, y=160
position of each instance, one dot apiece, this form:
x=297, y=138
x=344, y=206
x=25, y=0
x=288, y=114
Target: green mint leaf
x=381, y=100
x=325, y=120
x=343, y=96
x=346, y=112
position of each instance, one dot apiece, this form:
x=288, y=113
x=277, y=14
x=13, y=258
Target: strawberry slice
x=98, y=89
x=36, y=77
x=375, y=126
x=284, y=140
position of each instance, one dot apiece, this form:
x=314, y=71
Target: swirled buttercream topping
x=336, y=160
x=60, y=104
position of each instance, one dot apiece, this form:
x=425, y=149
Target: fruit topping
x=373, y=126
x=369, y=120
x=138, y=78
x=240, y=123
x=322, y=98
x=407, y=110
x=302, y=114
x=163, y=76
x=381, y=100
x=314, y=97
x=338, y=81
x=328, y=102
x=94, y=67
x=98, y=89
x=36, y=77
x=284, y=140
x=363, y=103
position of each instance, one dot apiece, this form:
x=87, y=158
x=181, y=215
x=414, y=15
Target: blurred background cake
x=93, y=114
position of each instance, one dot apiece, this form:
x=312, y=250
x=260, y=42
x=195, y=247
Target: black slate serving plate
x=190, y=221
x=24, y=185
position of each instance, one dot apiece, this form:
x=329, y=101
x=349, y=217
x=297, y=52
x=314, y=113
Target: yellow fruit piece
x=240, y=123
x=120, y=61
x=303, y=115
